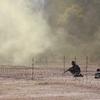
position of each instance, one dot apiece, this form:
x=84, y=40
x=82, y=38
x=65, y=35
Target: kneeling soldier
x=97, y=74
x=75, y=70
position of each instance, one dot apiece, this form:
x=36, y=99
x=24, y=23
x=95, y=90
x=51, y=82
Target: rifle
x=70, y=70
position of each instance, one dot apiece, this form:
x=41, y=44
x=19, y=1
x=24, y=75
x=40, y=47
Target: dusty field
x=55, y=88
x=48, y=84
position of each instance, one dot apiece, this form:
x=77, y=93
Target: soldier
x=75, y=70
x=97, y=74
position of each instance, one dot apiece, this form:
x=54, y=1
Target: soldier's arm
x=67, y=70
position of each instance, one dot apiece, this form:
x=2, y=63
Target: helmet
x=73, y=62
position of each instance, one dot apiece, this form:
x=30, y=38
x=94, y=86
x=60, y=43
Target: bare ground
x=51, y=88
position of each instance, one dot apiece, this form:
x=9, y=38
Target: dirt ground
x=51, y=88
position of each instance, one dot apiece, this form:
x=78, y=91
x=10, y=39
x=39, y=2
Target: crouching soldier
x=97, y=74
x=75, y=70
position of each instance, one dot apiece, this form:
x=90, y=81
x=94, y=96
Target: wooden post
x=75, y=58
x=46, y=61
x=64, y=61
x=86, y=65
x=33, y=68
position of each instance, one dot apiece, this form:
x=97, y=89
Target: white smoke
x=23, y=31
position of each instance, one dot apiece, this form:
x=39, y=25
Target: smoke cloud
x=61, y=27
x=76, y=27
x=23, y=31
